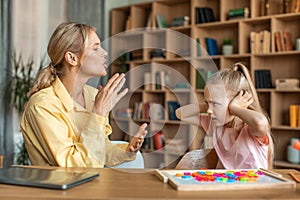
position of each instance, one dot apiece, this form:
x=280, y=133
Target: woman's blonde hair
x=234, y=80
x=67, y=37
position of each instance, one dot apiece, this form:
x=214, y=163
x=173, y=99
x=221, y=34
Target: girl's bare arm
x=190, y=113
x=257, y=122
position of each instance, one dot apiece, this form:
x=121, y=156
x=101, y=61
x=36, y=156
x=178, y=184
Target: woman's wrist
x=99, y=112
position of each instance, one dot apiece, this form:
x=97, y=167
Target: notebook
x=45, y=178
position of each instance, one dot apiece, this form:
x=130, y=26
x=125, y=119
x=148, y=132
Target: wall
x=33, y=23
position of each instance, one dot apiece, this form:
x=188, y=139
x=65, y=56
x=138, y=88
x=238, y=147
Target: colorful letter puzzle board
x=194, y=180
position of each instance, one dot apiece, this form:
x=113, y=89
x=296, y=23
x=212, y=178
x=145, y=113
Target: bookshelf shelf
x=284, y=164
x=288, y=128
x=282, y=64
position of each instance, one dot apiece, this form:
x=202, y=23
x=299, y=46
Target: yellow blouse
x=59, y=132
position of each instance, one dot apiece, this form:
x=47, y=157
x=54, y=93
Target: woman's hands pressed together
x=110, y=94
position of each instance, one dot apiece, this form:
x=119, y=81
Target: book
x=252, y=42
x=200, y=16
x=267, y=78
x=263, y=78
x=283, y=41
x=147, y=81
x=157, y=81
x=260, y=42
x=265, y=41
x=209, y=14
x=265, y=7
x=288, y=44
x=295, y=6
x=198, y=47
x=239, y=12
x=180, y=21
x=201, y=46
x=158, y=140
x=160, y=80
x=298, y=116
x=162, y=75
x=212, y=46
x=294, y=109
x=200, y=78
x=278, y=44
x=256, y=79
x=161, y=21
x=146, y=110
x=172, y=106
x=204, y=15
x=137, y=112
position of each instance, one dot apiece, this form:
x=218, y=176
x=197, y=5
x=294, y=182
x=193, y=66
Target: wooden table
x=139, y=184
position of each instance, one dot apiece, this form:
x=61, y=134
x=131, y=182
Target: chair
x=196, y=159
x=1, y=161
x=137, y=163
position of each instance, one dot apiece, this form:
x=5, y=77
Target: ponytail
x=243, y=69
x=44, y=79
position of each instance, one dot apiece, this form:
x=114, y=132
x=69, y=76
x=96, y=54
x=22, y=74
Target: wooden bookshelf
x=283, y=64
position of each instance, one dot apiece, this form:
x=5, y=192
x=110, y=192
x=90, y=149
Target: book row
x=155, y=111
x=294, y=115
x=263, y=78
x=260, y=42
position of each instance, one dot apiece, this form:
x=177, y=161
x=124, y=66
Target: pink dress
x=244, y=152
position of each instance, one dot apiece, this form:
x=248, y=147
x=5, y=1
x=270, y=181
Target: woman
x=65, y=122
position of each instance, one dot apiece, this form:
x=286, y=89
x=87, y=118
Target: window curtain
x=6, y=126
x=89, y=12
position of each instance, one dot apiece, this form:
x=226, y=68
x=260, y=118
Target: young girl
x=65, y=122
x=235, y=119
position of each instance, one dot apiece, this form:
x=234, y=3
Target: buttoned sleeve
x=53, y=134
x=115, y=153
x=56, y=138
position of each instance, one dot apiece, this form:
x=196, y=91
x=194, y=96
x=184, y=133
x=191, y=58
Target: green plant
x=122, y=59
x=22, y=156
x=19, y=82
x=20, y=78
x=227, y=41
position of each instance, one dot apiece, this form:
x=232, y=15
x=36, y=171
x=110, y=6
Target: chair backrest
x=137, y=163
x=1, y=161
x=197, y=159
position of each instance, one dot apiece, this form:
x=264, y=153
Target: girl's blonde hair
x=234, y=80
x=67, y=37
